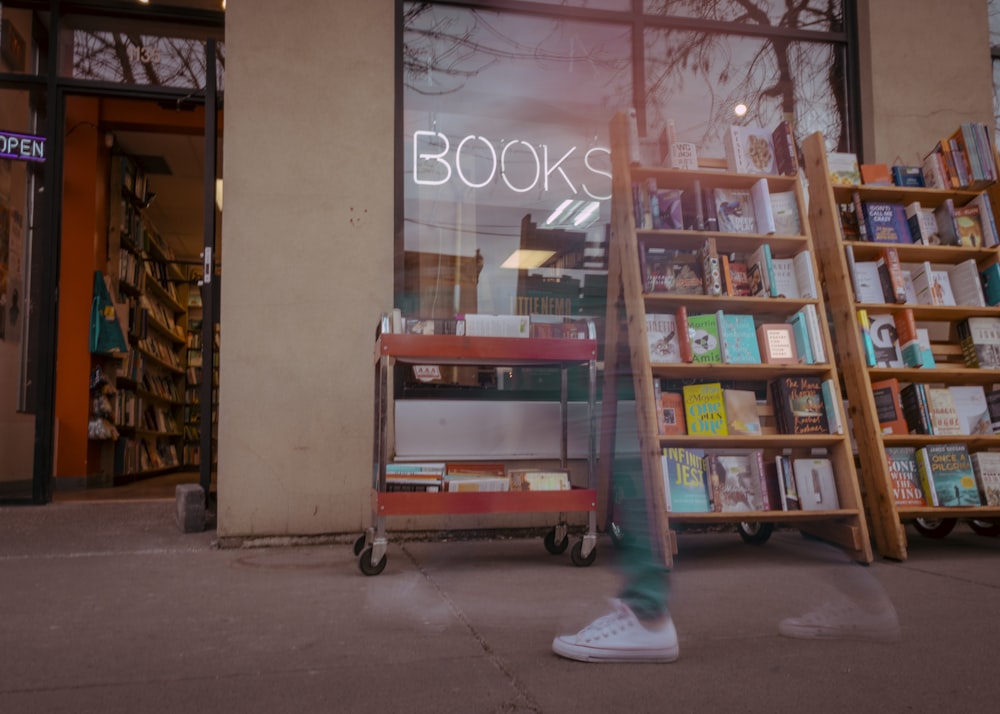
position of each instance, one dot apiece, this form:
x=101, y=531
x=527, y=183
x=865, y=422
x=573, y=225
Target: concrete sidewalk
x=109, y=608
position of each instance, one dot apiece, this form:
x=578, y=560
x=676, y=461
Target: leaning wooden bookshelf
x=627, y=350
x=838, y=247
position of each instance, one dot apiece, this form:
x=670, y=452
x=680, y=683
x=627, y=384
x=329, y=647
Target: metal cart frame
x=393, y=349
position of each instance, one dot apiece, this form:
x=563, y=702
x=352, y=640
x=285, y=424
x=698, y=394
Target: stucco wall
x=307, y=260
x=925, y=68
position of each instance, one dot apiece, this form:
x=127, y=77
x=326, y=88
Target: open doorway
x=130, y=411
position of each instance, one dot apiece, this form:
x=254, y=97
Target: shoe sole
x=857, y=635
x=587, y=654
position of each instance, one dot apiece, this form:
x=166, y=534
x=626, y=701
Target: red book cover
x=683, y=336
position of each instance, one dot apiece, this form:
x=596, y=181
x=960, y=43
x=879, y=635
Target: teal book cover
x=684, y=480
x=738, y=335
x=947, y=470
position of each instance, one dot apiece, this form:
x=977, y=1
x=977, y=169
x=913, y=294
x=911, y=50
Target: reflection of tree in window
x=129, y=58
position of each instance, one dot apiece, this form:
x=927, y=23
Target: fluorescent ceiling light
x=564, y=208
x=527, y=259
x=587, y=212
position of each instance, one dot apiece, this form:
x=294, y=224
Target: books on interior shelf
x=922, y=223
x=876, y=175
x=749, y=150
x=944, y=214
x=865, y=279
x=907, y=339
x=993, y=404
x=891, y=275
x=776, y=342
x=916, y=408
x=671, y=413
x=910, y=176
x=424, y=477
x=737, y=338
x=980, y=341
x=966, y=285
x=736, y=278
x=932, y=284
x=759, y=271
x=662, y=338
x=885, y=222
x=906, y=488
x=529, y=479
x=832, y=403
x=735, y=479
x=483, y=325
x=734, y=210
x=990, y=278
x=475, y=476
x=704, y=409
x=884, y=338
x=670, y=271
x=947, y=476
x=889, y=406
x=786, y=482
x=703, y=333
x=763, y=212
x=785, y=210
x=742, y=416
x=815, y=484
x=986, y=467
x=711, y=268
x=798, y=405
x=684, y=480
x=969, y=226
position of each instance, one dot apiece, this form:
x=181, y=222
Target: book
x=786, y=481
x=815, y=484
x=785, y=210
x=684, y=334
x=832, y=403
x=864, y=328
x=759, y=271
x=910, y=349
x=980, y=341
x=993, y=404
x=969, y=226
x=734, y=210
x=947, y=475
x=891, y=275
x=749, y=150
x=786, y=155
x=703, y=333
x=867, y=281
x=990, y=235
x=902, y=467
x=737, y=338
x=876, y=175
x=889, y=406
x=973, y=412
x=885, y=222
x=776, y=343
x=944, y=214
x=805, y=275
x=711, y=268
x=910, y=176
x=966, y=285
x=531, y=479
x=945, y=420
x=671, y=271
x=684, y=480
x=671, y=413
x=739, y=281
x=990, y=278
x=916, y=408
x=932, y=285
x=803, y=345
x=798, y=405
x=884, y=339
x=815, y=333
x=922, y=223
x=662, y=338
x=704, y=409
x=785, y=281
x=926, y=352
x=760, y=196
x=843, y=168
x=734, y=481
x=986, y=467
x=742, y=416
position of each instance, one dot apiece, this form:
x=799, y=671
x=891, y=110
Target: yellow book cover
x=705, y=410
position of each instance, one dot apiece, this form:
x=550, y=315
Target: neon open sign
x=23, y=147
x=435, y=163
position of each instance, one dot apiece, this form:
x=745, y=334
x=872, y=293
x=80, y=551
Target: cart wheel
x=985, y=528
x=552, y=546
x=576, y=555
x=755, y=533
x=359, y=544
x=617, y=534
x=365, y=563
x=934, y=527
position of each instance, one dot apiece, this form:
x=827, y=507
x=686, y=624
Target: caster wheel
x=359, y=545
x=985, y=528
x=365, y=563
x=755, y=533
x=935, y=527
x=576, y=555
x=552, y=546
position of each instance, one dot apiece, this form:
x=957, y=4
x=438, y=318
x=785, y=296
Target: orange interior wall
x=84, y=143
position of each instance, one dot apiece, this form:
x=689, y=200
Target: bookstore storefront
x=447, y=159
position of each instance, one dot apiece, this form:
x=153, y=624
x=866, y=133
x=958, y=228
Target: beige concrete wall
x=307, y=260
x=925, y=68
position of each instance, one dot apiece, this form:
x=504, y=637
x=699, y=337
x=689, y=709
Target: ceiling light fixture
x=527, y=259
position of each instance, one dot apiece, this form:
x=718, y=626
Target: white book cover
x=986, y=466
x=805, y=276
x=966, y=283
x=911, y=293
x=785, y=283
x=750, y=150
x=815, y=483
x=815, y=334
x=970, y=402
x=882, y=330
x=764, y=215
x=785, y=207
x=867, y=284
x=662, y=337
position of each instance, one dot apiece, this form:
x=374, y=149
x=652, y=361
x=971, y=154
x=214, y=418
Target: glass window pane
x=697, y=79
x=505, y=120
x=17, y=51
x=819, y=15
x=590, y=4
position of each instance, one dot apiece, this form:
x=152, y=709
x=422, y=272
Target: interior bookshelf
x=152, y=293
x=627, y=351
x=869, y=377
x=195, y=374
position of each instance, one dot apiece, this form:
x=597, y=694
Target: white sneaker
x=620, y=637
x=843, y=622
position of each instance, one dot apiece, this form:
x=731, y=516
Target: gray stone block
x=190, y=508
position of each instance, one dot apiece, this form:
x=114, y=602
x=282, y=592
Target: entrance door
x=22, y=166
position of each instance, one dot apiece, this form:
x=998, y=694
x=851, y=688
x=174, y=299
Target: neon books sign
x=23, y=147
x=435, y=164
